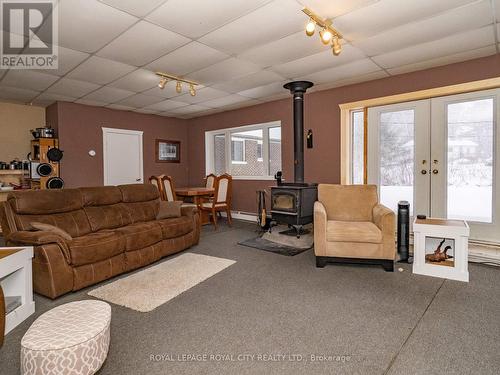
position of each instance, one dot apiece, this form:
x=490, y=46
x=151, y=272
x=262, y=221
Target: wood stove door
x=284, y=201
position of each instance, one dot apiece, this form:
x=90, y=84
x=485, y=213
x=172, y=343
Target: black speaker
x=404, y=231
x=55, y=183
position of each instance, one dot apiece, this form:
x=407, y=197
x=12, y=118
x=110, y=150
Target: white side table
x=452, y=235
x=17, y=281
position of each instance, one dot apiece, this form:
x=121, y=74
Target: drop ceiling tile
x=450, y=59
x=186, y=59
x=165, y=105
x=351, y=80
x=68, y=59
x=120, y=107
x=140, y=100
x=331, y=9
x=167, y=92
x=281, y=51
x=204, y=16
x=89, y=25
x=28, y=79
x=345, y=71
x=45, y=99
x=134, y=7
x=93, y=103
x=142, y=43
x=250, y=81
x=223, y=71
x=270, y=22
x=224, y=101
x=18, y=95
x=202, y=95
x=246, y=103
x=458, y=20
x=497, y=8
x=319, y=61
x=100, y=71
x=108, y=95
x=387, y=14
x=193, y=108
x=137, y=81
x=438, y=48
x=146, y=111
x=265, y=91
x=72, y=87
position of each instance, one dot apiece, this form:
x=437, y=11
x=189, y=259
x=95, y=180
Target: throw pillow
x=50, y=228
x=169, y=210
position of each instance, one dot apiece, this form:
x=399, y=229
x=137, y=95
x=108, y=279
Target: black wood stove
x=293, y=203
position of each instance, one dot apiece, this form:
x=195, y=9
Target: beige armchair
x=350, y=226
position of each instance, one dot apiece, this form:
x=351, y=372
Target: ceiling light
x=326, y=36
x=310, y=27
x=192, y=91
x=162, y=83
x=178, y=87
x=336, y=47
x=327, y=33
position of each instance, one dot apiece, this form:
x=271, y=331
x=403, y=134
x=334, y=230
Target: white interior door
x=398, y=153
x=465, y=176
x=123, y=157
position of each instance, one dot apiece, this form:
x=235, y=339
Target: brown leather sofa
x=114, y=230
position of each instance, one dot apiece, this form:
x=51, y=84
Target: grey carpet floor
x=368, y=321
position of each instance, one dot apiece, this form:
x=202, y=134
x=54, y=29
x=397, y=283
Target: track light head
x=310, y=27
x=336, y=46
x=192, y=90
x=162, y=83
x=178, y=87
x=325, y=35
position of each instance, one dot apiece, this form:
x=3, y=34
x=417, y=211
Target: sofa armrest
x=320, y=221
x=385, y=220
x=39, y=238
x=189, y=211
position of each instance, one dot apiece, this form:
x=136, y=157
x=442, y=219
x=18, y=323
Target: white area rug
x=146, y=290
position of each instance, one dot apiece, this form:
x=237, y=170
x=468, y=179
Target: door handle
x=435, y=171
x=138, y=179
x=423, y=171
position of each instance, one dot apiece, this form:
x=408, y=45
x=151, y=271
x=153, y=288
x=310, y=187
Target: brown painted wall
x=322, y=115
x=79, y=130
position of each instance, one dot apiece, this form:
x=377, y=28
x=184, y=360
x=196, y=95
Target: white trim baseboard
x=246, y=216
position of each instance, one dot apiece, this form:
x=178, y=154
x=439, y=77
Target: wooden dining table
x=197, y=194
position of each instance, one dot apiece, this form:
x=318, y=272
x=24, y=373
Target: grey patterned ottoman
x=69, y=339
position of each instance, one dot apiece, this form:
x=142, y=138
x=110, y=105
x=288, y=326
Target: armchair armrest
x=39, y=238
x=385, y=220
x=320, y=221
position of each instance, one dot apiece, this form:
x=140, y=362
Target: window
x=357, y=147
x=237, y=150
x=255, y=151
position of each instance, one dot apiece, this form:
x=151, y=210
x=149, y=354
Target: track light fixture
x=164, y=78
x=327, y=33
x=162, y=83
x=310, y=27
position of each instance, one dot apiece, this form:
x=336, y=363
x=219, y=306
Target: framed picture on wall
x=168, y=151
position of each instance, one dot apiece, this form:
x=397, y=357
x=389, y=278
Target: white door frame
x=105, y=132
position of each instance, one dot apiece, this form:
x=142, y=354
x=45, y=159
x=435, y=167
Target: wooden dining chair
x=169, y=191
x=156, y=181
x=210, y=180
x=221, y=200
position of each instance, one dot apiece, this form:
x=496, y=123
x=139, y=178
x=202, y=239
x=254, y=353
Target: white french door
x=440, y=155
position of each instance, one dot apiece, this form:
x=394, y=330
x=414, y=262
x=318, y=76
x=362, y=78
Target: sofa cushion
x=169, y=210
x=108, y=217
x=139, y=192
x=75, y=222
x=143, y=211
x=95, y=247
x=42, y=202
x=101, y=196
x=175, y=227
x=140, y=235
x=353, y=231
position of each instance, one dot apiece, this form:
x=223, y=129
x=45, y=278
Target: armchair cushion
x=348, y=202
x=353, y=231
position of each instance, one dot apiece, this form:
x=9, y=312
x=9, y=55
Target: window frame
x=351, y=144
x=210, y=149
x=243, y=150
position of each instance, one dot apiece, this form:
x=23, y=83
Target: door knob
x=435, y=171
x=424, y=171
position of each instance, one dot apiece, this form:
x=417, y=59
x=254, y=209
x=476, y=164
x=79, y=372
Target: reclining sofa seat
x=114, y=230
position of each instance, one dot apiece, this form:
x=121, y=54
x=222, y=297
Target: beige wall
x=16, y=120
